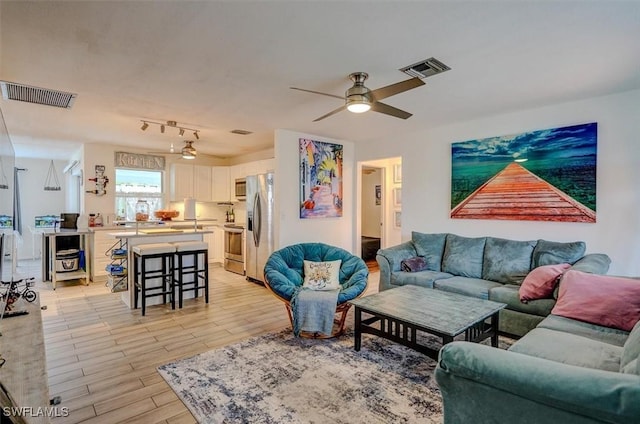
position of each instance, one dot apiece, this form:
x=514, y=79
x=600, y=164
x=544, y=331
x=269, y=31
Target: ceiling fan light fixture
x=358, y=107
x=188, y=151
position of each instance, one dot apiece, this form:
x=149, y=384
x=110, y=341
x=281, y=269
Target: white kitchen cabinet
x=243, y=170
x=181, y=182
x=220, y=185
x=202, y=183
x=216, y=243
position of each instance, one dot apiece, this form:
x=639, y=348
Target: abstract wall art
x=544, y=175
x=320, y=179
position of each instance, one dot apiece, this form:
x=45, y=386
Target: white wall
x=35, y=200
x=290, y=229
x=427, y=176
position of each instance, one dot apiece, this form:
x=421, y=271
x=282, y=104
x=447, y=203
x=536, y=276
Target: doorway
x=371, y=213
x=384, y=173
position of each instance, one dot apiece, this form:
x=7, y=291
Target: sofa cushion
x=506, y=261
x=580, y=328
x=463, y=256
x=420, y=278
x=551, y=252
x=631, y=349
x=632, y=367
x=431, y=246
x=569, y=349
x=474, y=287
x=541, y=282
x=599, y=299
x=509, y=294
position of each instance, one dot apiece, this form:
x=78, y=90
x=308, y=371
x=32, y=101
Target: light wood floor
x=102, y=356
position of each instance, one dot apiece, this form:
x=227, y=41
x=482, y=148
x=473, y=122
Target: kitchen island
x=136, y=236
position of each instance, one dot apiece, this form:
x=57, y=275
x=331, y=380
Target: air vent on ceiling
x=41, y=96
x=425, y=68
x=241, y=132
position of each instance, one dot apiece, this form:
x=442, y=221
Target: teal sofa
x=564, y=371
x=485, y=267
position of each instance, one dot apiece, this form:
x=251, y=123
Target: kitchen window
x=133, y=185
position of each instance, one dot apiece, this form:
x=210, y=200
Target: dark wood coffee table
x=400, y=313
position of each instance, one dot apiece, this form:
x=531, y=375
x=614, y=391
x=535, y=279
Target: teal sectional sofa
x=564, y=371
x=485, y=267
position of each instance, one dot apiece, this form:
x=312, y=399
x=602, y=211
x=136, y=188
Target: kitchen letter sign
x=139, y=161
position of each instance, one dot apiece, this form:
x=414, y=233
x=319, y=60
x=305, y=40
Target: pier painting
x=320, y=179
x=545, y=175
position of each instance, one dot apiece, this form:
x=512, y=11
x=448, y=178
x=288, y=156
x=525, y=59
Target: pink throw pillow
x=599, y=299
x=541, y=281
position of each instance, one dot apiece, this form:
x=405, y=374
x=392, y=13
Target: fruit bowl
x=166, y=215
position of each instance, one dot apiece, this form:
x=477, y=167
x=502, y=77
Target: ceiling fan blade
x=397, y=88
x=333, y=112
x=317, y=92
x=390, y=110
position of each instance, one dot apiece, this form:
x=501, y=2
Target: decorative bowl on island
x=166, y=215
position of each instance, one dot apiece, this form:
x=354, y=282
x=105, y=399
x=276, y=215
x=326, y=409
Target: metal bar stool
x=145, y=271
x=192, y=268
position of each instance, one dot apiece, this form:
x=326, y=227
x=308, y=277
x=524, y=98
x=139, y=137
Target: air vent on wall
x=41, y=96
x=425, y=68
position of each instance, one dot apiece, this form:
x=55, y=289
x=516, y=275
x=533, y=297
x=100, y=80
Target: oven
x=234, y=248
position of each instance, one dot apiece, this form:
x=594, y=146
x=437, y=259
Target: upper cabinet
x=202, y=183
x=220, y=186
x=212, y=183
x=181, y=181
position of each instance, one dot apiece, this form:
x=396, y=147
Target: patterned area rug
x=279, y=379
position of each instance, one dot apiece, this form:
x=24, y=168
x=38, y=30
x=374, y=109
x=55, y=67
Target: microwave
x=241, y=188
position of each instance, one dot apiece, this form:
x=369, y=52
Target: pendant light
x=52, y=177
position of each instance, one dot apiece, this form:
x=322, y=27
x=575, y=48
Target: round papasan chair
x=284, y=273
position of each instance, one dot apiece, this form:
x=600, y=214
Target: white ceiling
x=218, y=66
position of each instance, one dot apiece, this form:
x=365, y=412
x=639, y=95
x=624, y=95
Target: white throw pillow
x=322, y=275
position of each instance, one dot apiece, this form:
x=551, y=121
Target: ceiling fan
x=360, y=98
x=187, y=152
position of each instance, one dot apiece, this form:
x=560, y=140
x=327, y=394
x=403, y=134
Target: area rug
x=279, y=379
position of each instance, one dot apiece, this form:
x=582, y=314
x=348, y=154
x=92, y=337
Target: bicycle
x=13, y=292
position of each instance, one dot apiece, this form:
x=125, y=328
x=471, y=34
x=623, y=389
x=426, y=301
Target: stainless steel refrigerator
x=260, y=222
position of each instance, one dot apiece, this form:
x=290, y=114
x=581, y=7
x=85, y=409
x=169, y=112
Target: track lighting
x=171, y=124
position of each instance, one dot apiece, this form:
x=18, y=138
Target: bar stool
x=144, y=271
x=192, y=260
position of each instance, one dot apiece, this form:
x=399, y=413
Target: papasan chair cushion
x=284, y=270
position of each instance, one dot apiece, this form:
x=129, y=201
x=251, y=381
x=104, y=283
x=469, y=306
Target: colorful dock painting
x=515, y=193
x=545, y=175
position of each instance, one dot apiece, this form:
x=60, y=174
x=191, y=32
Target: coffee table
x=404, y=311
